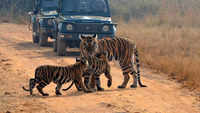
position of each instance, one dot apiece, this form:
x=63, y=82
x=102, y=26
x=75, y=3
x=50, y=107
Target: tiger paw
x=133, y=86
x=58, y=93
x=45, y=94
x=109, y=83
x=90, y=90
x=143, y=85
x=80, y=89
x=121, y=87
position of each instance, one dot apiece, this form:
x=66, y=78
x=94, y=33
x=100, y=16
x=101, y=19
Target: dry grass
x=167, y=47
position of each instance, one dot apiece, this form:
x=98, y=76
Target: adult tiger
x=45, y=74
x=121, y=49
x=98, y=65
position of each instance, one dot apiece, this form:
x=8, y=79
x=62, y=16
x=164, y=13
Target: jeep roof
x=46, y=5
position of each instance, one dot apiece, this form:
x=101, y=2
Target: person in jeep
x=99, y=5
x=86, y=6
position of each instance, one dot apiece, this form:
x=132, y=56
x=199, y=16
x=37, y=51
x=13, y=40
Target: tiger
x=45, y=74
x=120, y=49
x=98, y=65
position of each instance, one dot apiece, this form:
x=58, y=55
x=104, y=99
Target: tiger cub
x=120, y=49
x=59, y=75
x=98, y=65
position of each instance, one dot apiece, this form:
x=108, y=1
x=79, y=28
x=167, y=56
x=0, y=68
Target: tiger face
x=90, y=43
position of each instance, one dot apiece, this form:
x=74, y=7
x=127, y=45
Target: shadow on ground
x=46, y=51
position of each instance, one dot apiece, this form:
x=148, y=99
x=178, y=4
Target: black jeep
x=81, y=17
x=44, y=11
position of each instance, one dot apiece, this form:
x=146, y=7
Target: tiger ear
x=82, y=37
x=94, y=36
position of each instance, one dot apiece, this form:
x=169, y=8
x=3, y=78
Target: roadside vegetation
x=167, y=32
x=168, y=40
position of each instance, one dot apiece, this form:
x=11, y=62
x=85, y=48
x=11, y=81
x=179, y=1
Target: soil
x=19, y=57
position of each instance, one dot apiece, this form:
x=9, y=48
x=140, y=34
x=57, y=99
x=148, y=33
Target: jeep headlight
x=69, y=27
x=106, y=28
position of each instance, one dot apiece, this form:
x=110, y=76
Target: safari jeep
x=44, y=11
x=81, y=17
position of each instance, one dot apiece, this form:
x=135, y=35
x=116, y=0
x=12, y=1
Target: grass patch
x=167, y=47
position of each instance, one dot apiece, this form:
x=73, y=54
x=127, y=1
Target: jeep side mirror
x=30, y=13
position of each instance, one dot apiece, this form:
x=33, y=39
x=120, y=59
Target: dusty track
x=19, y=57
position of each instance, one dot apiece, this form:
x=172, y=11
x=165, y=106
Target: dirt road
x=19, y=57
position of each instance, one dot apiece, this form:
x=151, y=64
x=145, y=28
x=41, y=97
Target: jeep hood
x=87, y=19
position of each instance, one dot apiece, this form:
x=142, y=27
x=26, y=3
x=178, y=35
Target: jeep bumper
x=72, y=39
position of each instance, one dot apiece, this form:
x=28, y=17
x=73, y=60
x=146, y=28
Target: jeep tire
x=55, y=46
x=61, y=47
x=35, y=38
x=43, y=39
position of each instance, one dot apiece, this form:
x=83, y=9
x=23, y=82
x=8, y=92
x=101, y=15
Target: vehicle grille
x=88, y=28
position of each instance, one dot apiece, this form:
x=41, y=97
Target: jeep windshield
x=85, y=8
x=48, y=5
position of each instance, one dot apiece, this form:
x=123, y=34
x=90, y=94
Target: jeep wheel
x=43, y=39
x=55, y=46
x=61, y=47
x=35, y=38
